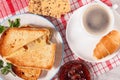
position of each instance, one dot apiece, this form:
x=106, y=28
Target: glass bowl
x=75, y=70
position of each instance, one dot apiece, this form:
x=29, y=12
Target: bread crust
x=27, y=73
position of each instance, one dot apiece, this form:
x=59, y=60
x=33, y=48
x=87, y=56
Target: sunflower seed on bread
x=53, y=8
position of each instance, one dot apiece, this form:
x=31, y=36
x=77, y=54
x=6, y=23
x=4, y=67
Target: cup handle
x=115, y=6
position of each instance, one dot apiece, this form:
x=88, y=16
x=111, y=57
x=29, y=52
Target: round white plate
x=40, y=21
x=83, y=44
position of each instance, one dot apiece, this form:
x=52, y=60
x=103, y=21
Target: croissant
x=107, y=45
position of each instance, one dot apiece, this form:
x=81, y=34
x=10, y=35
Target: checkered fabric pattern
x=9, y=8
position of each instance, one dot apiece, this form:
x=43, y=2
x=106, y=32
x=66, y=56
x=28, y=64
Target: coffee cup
x=97, y=19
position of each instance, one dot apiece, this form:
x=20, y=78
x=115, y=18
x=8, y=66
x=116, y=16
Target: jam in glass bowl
x=74, y=70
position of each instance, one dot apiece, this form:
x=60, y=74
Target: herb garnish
x=5, y=69
x=12, y=23
x=15, y=23
x=2, y=28
x=1, y=63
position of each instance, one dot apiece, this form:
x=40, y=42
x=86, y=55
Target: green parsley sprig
x=5, y=69
x=15, y=23
x=1, y=63
x=2, y=28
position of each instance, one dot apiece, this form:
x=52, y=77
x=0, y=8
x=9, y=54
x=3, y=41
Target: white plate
x=40, y=21
x=81, y=43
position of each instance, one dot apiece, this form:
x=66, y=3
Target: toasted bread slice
x=14, y=38
x=39, y=53
x=27, y=73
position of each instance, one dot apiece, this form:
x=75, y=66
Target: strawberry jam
x=74, y=70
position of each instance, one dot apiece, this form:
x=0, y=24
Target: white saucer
x=81, y=43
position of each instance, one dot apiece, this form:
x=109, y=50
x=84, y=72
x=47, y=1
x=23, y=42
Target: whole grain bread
x=14, y=38
x=53, y=8
x=27, y=73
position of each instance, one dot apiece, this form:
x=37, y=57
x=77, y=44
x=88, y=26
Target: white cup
x=97, y=19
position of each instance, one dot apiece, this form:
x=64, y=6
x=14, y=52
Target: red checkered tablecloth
x=12, y=7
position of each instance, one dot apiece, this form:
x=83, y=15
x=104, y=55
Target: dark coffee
x=96, y=19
